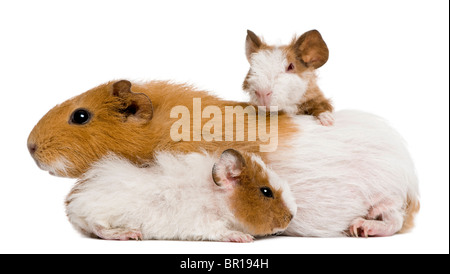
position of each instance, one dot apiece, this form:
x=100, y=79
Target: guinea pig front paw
x=123, y=234
x=237, y=237
x=326, y=118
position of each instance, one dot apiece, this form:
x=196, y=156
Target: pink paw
x=121, y=234
x=358, y=228
x=130, y=235
x=326, y=118
x=237, y=237
x=362, y=227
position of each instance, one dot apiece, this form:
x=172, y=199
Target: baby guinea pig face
x=81, y=130
x=279, y=76
x=260, y=200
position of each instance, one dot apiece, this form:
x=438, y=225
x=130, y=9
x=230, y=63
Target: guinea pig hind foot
x=236, y=237
x=380, y=221
x=120, y=233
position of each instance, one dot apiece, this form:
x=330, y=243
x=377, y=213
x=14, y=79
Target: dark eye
x=290, y=67
x=80, y=117
x=266, y=192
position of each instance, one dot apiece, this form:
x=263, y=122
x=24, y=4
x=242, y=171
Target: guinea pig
x=284, y=76
x=355, y=178
x=193, y=196
x=132, y=120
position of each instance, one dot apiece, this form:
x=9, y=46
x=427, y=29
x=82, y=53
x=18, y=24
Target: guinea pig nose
x=265, y=98
x=32, y=147
x=264, y=93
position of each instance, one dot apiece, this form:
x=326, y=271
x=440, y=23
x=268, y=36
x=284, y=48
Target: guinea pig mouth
x=271, y=108
x=57, y=168
x=278, y=233
x=45, y=167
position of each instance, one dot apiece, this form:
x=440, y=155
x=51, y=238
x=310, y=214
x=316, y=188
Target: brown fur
x=412, y=208
x=310, y=49
x=259, y=217
x=253, y=43
x=314, y=101
x=116, y=128
x=111, y=128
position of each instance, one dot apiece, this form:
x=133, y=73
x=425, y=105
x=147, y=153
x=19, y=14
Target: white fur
x=268, y=73
x=339, y=174
x=58, y=167
x=174, y=198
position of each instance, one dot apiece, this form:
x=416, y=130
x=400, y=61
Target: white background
x=390, y=58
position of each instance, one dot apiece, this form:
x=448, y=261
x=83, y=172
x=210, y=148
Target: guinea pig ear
x=227, y=171
x=311, y=49
x=252, y=44
x=137, y=106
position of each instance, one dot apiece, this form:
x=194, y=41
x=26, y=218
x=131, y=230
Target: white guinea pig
x=284, y=76
x=193, y=196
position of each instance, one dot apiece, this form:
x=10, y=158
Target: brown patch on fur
x=412, y=208
x=75, y=190
x=259, y=214
x=253, y=44
x=311, y=49
x=314, y=101
x=245, y=84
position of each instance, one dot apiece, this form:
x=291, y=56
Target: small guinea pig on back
x=194, y=196
x=284, y=76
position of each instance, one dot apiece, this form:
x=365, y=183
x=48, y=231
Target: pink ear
x=226, y=172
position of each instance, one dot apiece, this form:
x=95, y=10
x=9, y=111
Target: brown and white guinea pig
x=194, y=196
x=132, y=120
x=284, y=76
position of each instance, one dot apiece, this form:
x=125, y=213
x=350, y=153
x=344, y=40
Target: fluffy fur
x=360, y=153
x=268, y=73
x=176, y=198
x=284, y=76
x=355, y=178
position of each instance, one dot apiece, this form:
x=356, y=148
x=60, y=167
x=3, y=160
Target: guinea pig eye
x=266, y=192
x=80, y=117
x=290, y=67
